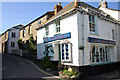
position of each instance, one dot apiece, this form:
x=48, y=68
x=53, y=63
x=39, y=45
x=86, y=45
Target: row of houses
x=77, y=35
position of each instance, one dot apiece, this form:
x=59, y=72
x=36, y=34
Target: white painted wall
x=68, y=24
x=73, y=24
x=113, y=13
x=104, y=29
x=13, y=40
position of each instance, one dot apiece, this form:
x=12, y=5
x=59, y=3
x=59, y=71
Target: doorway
x=59, y=52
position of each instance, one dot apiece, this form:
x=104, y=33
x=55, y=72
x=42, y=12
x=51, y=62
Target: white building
x=13, y=36
x=79, y=35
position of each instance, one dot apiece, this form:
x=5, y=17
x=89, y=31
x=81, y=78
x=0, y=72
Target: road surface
x=20, y=68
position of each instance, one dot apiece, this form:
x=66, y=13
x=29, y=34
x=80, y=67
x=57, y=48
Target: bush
x=45, y=63
x=20, y=44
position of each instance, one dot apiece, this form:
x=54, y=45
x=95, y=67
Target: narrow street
x=16, y=67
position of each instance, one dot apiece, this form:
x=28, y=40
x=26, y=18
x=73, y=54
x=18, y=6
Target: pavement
x=18, y=68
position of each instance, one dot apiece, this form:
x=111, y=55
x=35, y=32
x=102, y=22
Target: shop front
x=58, y=47
x=101, y=50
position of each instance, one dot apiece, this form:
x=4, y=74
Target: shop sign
x=58, y=37
x=103, y=41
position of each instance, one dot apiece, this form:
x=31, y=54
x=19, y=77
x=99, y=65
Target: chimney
x=76, y=3
x=103, y=4
x=58, y=8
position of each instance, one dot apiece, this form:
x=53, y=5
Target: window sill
x=57, y=33
x=102, y=63
x=93, y=33
x=66, y=61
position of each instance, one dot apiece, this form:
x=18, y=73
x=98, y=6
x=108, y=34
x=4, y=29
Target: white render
x=13, y=50
x=116, y=15
x=78, y=25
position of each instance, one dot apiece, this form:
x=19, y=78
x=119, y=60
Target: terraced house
x=30, y=29
x=84, y=37
x=9, y=40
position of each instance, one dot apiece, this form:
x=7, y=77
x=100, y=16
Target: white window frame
x=92, y=22
x=108, y=54
x=69, y=52
x=57, y=26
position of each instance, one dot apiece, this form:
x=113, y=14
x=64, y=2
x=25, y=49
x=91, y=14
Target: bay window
x=66, y=52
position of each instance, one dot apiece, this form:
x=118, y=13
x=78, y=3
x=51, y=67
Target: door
x=59, y=51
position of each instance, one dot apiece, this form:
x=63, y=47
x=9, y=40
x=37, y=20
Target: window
x=47, y=30
x=13, y=35
x=99, y=54
x=113, y=34
x=92, y=23
x=24, y=32
x=39, y=22
x=66, y=52
x=12, y=44
x=58, y=26
x=29, y=29
x=5, y=35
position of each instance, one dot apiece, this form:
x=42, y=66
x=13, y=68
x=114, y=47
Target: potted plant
x=68, y=74
x=81, y=47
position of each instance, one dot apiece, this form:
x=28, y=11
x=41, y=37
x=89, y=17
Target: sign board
x=57, y=37
x=103, y=41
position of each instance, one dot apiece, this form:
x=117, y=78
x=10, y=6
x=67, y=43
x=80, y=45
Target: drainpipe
x=83, y=36
x=82, y=32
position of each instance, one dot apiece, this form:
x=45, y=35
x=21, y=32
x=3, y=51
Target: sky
x=15, y=13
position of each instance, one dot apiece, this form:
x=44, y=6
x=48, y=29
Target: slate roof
x=49, y=12
x=72, y=6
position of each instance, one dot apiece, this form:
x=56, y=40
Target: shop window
x=58, y=26
x=99, y=54
x=46, y=30
x=49, y=50
x=66, y=52
x=13, y=35
x=92, y=23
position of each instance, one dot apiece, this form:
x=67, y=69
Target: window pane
x=67, y=54
x=90, y=18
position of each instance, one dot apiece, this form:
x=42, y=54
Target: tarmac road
x=14, y=67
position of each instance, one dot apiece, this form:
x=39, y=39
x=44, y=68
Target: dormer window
x=39, y=22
